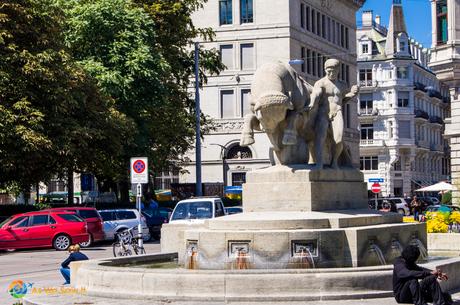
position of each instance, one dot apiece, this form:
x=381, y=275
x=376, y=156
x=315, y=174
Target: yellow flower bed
x=409, y=219
x=438, y=222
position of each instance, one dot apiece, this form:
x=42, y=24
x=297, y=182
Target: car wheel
x=61, y=242
x=88, y=243
x=401, y=212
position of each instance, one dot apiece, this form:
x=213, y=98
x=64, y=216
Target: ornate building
x=250, y=33
x=445, y=17
x=402, y=107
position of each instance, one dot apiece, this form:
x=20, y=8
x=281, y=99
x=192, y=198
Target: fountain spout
x=241, y=260
x=192, y=262
x=417, y=242
x=374, y=248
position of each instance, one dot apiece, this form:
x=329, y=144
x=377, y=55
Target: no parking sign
x=139, y=170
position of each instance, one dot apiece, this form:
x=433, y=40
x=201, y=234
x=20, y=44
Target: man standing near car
x=413, y=284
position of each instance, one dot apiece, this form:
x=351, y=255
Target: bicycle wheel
x=120, y=249
x=138, y=250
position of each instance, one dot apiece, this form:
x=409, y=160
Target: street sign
x=376, y=188
x=379, y=180
x=139, y=170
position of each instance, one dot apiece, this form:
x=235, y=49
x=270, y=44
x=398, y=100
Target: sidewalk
x=78, y=299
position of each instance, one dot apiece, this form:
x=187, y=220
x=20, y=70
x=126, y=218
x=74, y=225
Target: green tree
x=52, y=117
x=140, y=56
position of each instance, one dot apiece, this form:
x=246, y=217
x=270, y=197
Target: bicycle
x=127, y=244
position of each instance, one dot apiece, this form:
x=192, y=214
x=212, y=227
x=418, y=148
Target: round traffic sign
x=139, y=166
x=376, y=188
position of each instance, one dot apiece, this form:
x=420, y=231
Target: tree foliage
x=140, y=55
x=52, y=116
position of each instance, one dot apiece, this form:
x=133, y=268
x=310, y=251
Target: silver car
x=115, y=221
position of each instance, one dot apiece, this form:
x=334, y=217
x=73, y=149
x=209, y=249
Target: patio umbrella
x=440, y=186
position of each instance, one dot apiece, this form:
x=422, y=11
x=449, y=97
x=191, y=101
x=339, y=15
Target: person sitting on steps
x=75, y=255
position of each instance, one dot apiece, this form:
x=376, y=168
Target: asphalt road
x=41, y=267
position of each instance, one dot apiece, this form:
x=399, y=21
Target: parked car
x=155, y=219
x=428, y=200
x=234, y=210
x=385, y=203
x=115, y=221
x=57, y=229
x=196, y=210
x=92, y=218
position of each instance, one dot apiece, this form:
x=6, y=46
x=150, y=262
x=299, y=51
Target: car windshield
x=193, y=210
x=5, y=221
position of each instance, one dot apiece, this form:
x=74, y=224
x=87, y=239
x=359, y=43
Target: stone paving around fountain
x=72, y=300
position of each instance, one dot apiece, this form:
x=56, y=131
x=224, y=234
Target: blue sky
x=417, y=14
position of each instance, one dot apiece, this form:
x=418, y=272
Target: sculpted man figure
x=328, y=96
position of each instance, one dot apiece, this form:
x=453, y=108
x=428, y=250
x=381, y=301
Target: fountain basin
x=119, y=278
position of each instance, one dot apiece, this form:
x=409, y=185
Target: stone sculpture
x=297, y=117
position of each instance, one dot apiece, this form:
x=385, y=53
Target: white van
x=188, y=214
x=196, y=210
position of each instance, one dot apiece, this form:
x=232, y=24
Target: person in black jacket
x=413, y=284
x=75, y=255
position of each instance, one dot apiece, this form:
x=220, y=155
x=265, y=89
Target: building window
x=323, y=26
x=238, y=179
x=247, y=56
x=227, y=104
x=347, y=44
x=348, y=116
x=366, y=104
x=342, y=36
x=365, y=77
x=441, y=21
x=367, y=131
x=404, y=129
x=226, y=56
x=313, y=59
x=238, y=152
x=302, y=15
x=307, y=15
x=369, y=163
x=401, y=72
x=302, y=56
x=246, y=11
x=365, y=48
x=225, y=10
x=245, y=101
x=313, y=21
x=166, y=178
x=403, y=99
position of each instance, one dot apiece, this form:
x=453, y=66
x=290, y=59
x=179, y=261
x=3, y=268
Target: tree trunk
x=37, y=188
x=70, y=186
x=124, y=191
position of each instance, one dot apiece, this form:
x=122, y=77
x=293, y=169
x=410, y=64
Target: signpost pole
x=376, y=204
x=139, y=206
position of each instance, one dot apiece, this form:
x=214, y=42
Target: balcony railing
x=365, y=83
x=419, y=86
x=367, y=111
x=371, y=142
x=436, y=120
x=421, y=114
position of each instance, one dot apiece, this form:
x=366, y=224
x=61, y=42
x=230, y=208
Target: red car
x=42, y=229
x=92, y=218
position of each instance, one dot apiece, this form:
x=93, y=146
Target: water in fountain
x=241, y=260
x=302, y=259
x=395, y=250
x=192, y=258
x=423, y=251
x=375, y=249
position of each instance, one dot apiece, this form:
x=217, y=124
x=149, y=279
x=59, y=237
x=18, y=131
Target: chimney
x=377, y=19
x=367, y=18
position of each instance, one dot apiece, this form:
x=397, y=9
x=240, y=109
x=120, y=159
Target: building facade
x=402, y=107
x=445, y=17
x=250, y=33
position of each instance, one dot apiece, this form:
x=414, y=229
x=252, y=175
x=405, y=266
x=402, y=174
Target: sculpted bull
x=279, y=97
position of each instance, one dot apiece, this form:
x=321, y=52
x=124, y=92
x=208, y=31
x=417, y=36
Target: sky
x=417, y=14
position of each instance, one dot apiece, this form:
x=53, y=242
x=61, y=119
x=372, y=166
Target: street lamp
x=224, y=172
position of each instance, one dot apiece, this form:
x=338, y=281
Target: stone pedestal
x=301, y=188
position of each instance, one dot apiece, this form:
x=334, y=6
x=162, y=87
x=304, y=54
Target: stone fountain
x=311, y=198
x=306, y=232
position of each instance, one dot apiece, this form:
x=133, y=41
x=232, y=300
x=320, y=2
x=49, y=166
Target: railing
x=371, y=142
x=365, y=83
x=366, y=111
x=421, y=114
x=436, y=120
